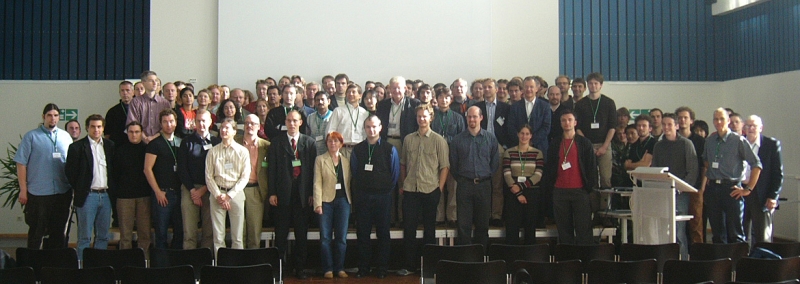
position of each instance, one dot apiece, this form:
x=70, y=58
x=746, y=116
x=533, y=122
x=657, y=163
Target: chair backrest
x=638, y=271
x=511, y=253
x=197, y=258
x=778, y=282
x=432, y=254
x=564, y=272
x=704, y=251
x=36, y=259
x=18, y=275
x=521, y=276
x=93, y=275
x=767, y=270
x=249, y=257
x=182, y=274
x=458, y=272
x=584, y=253
x=661, y=253
x=784, y=249
x=697, y=271
x=252, y=274
x=114, y=258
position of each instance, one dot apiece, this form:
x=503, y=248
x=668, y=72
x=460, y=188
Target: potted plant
x=11, y=188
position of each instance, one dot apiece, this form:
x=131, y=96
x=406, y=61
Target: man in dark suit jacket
x=761, y=203
x=539, y=118
x=118, y=114
x=291, y=181
x=88, y=170
x=498, y=120
x=388, y=114
x=274, y=126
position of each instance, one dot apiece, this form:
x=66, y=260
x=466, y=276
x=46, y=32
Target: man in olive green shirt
x=424, y=165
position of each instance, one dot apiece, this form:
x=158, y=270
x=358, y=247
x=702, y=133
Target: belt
x=103, y=190
x=225, y=188
x=349, y=145
x=476, y=180
x=723, y=181
x=394, y=137
x=255, y=184
x=166, y=189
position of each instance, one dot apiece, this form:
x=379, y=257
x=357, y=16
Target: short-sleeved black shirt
x=641, y=147
x=164, y=168
x=602, y=111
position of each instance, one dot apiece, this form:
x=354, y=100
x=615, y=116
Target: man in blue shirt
x=723, y=192
x=44, y=189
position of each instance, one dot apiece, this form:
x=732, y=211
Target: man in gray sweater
x=677, y=153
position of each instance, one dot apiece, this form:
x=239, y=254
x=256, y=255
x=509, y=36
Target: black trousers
x=474, y=207
x=517, y=215
x=47, y=215
x=292, y=213
x=373, y=210
x=418, y=208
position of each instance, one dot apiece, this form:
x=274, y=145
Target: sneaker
x=404, y=272
x=342, y=274
x=328, y=275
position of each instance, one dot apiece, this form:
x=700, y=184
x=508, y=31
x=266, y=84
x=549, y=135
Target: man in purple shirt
x=145, y=108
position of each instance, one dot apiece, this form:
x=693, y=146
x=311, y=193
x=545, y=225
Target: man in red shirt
x=571, y=173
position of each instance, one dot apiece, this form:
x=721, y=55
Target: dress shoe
x=362, y=273
x=381, y=274
x=301, y=275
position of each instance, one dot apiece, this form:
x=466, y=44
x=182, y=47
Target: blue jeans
x=163, y=217
x=333, y=221
x=682, y=208
x=94, y=215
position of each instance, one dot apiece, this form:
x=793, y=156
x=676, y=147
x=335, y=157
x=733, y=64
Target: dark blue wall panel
x=758, y=40
x=677, y=40
x=74, y=40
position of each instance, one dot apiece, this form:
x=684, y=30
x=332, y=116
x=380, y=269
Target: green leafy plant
x=11, y=187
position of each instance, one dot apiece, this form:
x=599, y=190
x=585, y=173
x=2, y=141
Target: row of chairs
x=183, y=274
x=118, y=260
x=713, y=261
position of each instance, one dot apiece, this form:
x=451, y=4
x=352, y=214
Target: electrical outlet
x=19, y=218
x=192, y=80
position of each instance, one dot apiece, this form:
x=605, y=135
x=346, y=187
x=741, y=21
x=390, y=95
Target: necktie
x=295, y=170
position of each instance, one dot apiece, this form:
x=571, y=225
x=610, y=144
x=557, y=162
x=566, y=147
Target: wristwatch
x=746, y=187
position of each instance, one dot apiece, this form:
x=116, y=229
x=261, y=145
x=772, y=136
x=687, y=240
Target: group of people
x=404, y=153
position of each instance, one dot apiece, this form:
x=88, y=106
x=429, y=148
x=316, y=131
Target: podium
x=653, y=205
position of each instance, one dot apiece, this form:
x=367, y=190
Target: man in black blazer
x=495, y=120
x=118, y=114
x=274, y=126
x=399, y=118
x=291, y=180
x=760, y=205
x=539, y=117
x=88, y=170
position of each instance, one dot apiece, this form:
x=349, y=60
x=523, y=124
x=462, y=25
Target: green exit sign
x=637, y=112
x=68, y=113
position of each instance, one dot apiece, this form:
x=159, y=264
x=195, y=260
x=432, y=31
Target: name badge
x=125, y=131
x=207, y=147
x=338, y=186
x=228, y=166
x=500, y=121
x=283, y=127
x=595, y=125
x=318, y=138
x=566, y=166
x=368, y=167
x=520, y=179
x=715, y=165
x=296, y=163
x=56, y=155
x=175, y=168
x=392, y=125
x=240, y=126
x=263, y=164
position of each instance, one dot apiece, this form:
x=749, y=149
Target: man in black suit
x=87, y=169
x=399, y=119
x=496, y=116
x=761, y=204
x=274, y=126
x=291, y=181
x=118, y=114
x=533, y=111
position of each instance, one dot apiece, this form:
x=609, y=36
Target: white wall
x=523, y=39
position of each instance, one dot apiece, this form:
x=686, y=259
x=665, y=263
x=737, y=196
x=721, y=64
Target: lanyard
x=53, y=137
x=125, y=110
x=442, y=121
x=566, y=152
x=322, y=119
x=521, y=161
x=399, y=108
x=170, y=149
x=594, y=110
x=355, y=122
x=716, y=154
x=371, y=149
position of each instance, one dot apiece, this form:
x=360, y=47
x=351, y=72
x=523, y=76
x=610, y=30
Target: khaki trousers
x=447, y=208
x=236, y=215
x=192, y=214
x=604, y=163
x=253, y=216
x=132, y=211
